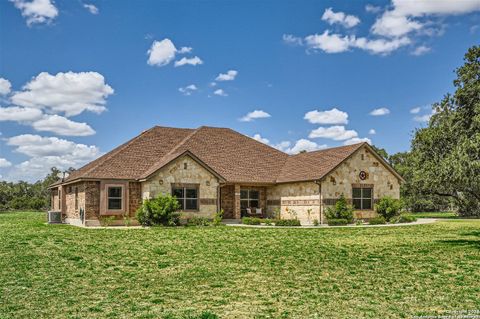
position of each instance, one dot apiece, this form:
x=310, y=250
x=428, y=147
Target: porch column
x=236, y=204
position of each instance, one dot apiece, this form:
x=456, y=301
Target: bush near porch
x=56, y=271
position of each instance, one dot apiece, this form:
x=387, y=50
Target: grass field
x=61, y=271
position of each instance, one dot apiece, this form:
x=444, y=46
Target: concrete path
x=420, y=221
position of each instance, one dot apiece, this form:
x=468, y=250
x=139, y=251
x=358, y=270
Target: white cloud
x=335, y=43
x=424, y=117
x=91, y=8
x=161, y=52
x=45, y=122
x=403, y=17
x=46, y=152
x=370, y=8
x=19, y=114
x=356, y=140
x=381, y=46
x=392, y=24
x=380, y=112
x=415, y=110
x=229, y=76
x=346, y=20
x=256, y=114
x=421, y=50
x=62, y=126
x=188, y=61
x=303, y=145
x=261, y=139
x=220, y=92
x=5, y=86
x=185, y=50
x=292, y=40
x=337, y=133
x=187, y=90
x=329, y=43
x=70, y=93
x=4, y=163
x=333, y=116
x=372, y=131
x=36, y=11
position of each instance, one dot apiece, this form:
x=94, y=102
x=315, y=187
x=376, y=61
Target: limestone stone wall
x=185, y=170
x=71, y=191
x=340, y=181
x=295, y=200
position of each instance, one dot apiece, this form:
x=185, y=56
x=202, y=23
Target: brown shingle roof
x=232, y=156
x=315, y=165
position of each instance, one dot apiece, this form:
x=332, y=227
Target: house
x=211, y=168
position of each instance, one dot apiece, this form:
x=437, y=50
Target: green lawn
x=60, y=271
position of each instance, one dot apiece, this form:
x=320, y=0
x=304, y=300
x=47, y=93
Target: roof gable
x=231, y=156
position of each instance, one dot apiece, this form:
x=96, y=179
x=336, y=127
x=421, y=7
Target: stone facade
x=303, y=199
x=74, y=200
x=287, y=200
x=227, y=203
x=294, y=200
x=185, y=170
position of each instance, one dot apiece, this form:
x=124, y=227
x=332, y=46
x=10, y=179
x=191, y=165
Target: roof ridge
x=329, y=149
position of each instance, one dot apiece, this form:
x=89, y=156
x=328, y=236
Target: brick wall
x=135, y=197
x=92, y=200
x=227, y=195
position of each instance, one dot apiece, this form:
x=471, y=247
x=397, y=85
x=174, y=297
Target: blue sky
x=78, y=78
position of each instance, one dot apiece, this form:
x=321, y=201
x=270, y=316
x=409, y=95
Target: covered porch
x=239, y=200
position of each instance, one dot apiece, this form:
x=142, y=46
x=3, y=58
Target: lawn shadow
x=475, y=242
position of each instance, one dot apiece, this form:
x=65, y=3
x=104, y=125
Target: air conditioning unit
x=54, y=217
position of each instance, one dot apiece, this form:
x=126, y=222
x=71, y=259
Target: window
x=187, y=197
x=114, y=200
x=362, y=198
x=249, y=198
x=76, y=198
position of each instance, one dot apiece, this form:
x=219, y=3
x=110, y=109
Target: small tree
x=341, y=210
x=161, y=210
x=388, y=207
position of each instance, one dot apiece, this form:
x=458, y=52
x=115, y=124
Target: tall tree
x=446, y=154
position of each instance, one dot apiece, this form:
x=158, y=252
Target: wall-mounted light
x=160, y=182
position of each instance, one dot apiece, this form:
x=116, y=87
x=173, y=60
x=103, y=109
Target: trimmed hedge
x=403, y=219
x=380, y=220
x=287, y=222
x=337, y=221
x=251, y=220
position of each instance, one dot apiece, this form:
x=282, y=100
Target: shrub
x=198, y=221
x=337, y=221
x=106, y=220
x=388, y=207
x=380, y=220
x=217, y=219
x=403, y=219
x=159, y=211
x=341, y=210
x=287, y=222
x=315, y=222
x=359, y=222
x=251, y=220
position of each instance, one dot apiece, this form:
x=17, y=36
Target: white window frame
x=361, y=198
x=121, y=197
